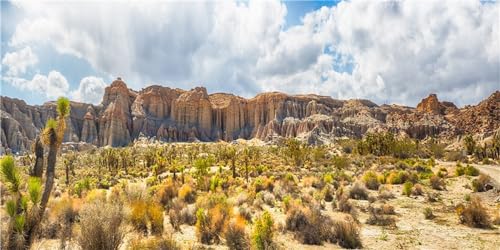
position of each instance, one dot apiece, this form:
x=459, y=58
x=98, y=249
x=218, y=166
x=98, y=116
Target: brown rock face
x=89, y=129
x=483, y=118
x=430, y=105
x=177, y=115
x=116, y=122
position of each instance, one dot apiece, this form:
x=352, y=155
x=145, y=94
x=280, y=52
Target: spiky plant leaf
x=10, y=173
x=49, y=132
x=19, y=222
x=35, y=189
x=63, y=107
x=24, y=203
x=11, y=208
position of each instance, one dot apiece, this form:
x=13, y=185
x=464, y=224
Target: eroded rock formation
x=178, y=115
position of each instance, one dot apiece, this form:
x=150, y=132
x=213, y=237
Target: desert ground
x=184, y=196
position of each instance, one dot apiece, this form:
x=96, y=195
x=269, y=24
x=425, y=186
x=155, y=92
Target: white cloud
x=399, y=50
x=51, y=86
x=18, y=61
x=90, y=90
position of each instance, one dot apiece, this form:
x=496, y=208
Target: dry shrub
x=166, y=193
x=187, y=194
x=437, y=183
x=138, y=216
x=101, y=226
x=135, y=191
x=371, y=181
x=496, y=220
x=383, y=209
x=309, y=225
x=417, y=190
x=327, y=193
x=268, y=198
x=245, y=212
x=175, y=214
x=380, y=217
x=296, y=218
x=385, y=193
x=210, y=224
x=155, y=216
x=482, y=183
x=65, y=212
x=474, y=214
x=188, y=215
x=358, y=192
x=235, y=235
x=345, y=206
x=263, y=183
x=346, y=232
x=157, y=243
x=428, y=214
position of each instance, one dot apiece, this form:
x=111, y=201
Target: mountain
x=175, y=115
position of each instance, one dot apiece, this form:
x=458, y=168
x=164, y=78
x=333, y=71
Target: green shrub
x=262, y=236
x=471, y=170
x=407, y=188
x=459, y=170
x=397, y=177
x=203, y=227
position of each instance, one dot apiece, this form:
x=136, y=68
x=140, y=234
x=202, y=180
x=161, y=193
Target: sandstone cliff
x=177, y=115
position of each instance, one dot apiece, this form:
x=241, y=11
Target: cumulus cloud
x=90, y=90
x=18, y=61
x=52, y=86
x=389, y=51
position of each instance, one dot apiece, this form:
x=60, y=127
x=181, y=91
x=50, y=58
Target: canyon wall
x=175, y=115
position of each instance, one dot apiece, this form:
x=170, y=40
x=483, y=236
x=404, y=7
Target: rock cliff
x=173, y=115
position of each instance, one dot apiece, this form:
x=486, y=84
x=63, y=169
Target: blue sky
x=324, y=47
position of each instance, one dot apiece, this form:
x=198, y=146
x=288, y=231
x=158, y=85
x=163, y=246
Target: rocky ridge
x=174, y=115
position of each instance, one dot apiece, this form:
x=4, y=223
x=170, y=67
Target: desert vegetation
x=362, y=193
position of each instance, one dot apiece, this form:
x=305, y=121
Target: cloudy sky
x=385, y=51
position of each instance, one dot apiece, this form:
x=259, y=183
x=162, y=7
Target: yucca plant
x=24, y=205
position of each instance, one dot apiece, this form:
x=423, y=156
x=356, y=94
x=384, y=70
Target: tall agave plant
x=26, y=208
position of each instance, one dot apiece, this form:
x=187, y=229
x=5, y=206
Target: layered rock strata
x=174, y=115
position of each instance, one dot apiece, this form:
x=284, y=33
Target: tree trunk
x=233, y=166
x=49, y=183
x=67, y=175
x=37, y=170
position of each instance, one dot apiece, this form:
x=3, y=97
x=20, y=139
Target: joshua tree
x=37, y=170
x=229, y=154
x=470, y=144
x=26, y=209
x=69, y=162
